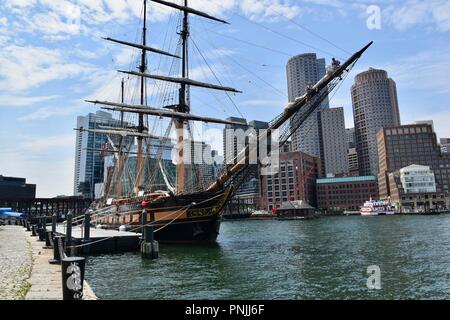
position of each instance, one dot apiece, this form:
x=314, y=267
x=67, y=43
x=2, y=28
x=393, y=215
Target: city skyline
x=41, y=102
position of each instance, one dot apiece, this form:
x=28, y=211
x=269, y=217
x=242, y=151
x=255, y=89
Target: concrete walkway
x=29, y=276
x=15, y=262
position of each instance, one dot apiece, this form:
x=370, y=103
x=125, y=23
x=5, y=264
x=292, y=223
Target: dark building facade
x=295, y=180
x=16, y=188
x=345, y=194
x=401, y=146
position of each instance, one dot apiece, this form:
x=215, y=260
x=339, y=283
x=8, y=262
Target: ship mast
x=120, y=155
x=143, y=68
x=183, y=105
x=181, y=112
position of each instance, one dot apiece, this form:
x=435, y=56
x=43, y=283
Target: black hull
x=192, y=218
x=190, y=232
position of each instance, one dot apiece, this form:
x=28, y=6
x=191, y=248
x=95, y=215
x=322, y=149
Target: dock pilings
x=149, y=247
x=41, y=228
x=54, y=221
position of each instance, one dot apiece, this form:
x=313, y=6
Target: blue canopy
x=5, y=209
x=6, y=215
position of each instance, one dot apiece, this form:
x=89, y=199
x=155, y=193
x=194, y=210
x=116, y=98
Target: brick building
x=295, y=180
x=345, y=194
x=402, y=146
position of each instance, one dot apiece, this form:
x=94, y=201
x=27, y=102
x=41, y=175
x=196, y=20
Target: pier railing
x=48, y=206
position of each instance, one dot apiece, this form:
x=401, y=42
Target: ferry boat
x=376, y=208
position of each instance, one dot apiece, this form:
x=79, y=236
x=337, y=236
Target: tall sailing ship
x=182, y=214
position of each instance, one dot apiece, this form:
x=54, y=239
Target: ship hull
x=195, y=231
x=190, y=219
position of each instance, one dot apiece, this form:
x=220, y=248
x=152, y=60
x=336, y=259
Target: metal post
x=33, y=230
x=54, y=218
x=48, y=237
x=149, y=247
x=57, y=240
x=72, y=269
x=87, y=225
x=41, y=229
x=69, y=231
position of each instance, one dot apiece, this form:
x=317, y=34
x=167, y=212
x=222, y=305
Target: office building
x=416, y=144
x=16, y=188
x=351, y=138
x=235, y=138
x=154, y=176
x=294, y=179
x=302, y=70
x=353, y=169
x=89, y=164
x=333, y=141
x=375, y=106
x=413, y=189
x=445, y=145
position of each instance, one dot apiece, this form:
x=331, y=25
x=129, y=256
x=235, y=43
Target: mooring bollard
x=72, y=269
x=41, y=234
x=40, y=230
x=68, y=233
x=57, y=241
x=87, y=226
x=149, y=247
x=54, y=218
x=33, y=230
x=48, y=239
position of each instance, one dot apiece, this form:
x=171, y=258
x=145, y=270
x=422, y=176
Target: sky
x=53, y=57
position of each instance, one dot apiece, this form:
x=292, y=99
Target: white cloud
x=45, y=143
x=16, y=100
x=25, y=67
x=269, y=10
x=47, y=112
x=19, y=3
x=413, y=13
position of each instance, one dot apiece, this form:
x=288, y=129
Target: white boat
x=377, y=208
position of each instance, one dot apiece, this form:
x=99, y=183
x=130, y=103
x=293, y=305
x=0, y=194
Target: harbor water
x=326, y=258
